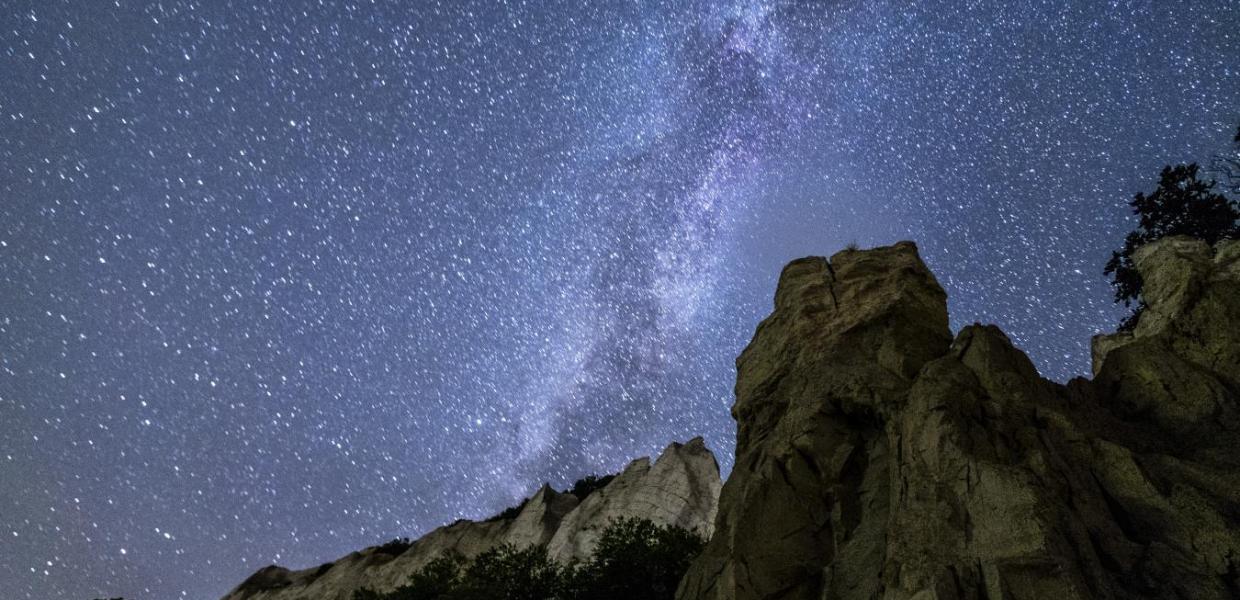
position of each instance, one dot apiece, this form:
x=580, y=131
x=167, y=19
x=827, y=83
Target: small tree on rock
x=1182, y=205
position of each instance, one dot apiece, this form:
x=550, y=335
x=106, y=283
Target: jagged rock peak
x=878, y=458
x=680, y=488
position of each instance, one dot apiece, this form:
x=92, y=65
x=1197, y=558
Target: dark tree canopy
x=635, y=559
x=395, y=547
x=435, y=581
x=1181, y=205
x=509, y=573
x=589, y=484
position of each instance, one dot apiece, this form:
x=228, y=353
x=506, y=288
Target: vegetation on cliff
x=635, y=558
x=1181, y=205
x=581, y=489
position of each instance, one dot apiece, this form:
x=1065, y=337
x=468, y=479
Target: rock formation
x=879, y=458
x=680, y=488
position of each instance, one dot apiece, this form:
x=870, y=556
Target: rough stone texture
x=839, y=352
x=680, y=488
x=1186, y=284
x=877, y=460
x=1180, y=367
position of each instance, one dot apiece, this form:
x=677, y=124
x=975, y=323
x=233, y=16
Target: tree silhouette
x=510, y=573
x=635, y=558
x=589, y=484
x=1182, y=205
x=1226, y=166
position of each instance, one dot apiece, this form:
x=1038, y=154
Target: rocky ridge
x=680, y=488
x=879, y=457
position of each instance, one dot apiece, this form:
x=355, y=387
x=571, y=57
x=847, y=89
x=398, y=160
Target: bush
x=395, y=547
x=509, y=573
x=581, y=488
x=635, y=560
x=437, y=578
x=435, y=581
x=588, y=485
x=508, y=513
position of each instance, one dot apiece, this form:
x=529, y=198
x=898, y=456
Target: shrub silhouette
x=396, y=547
x=635, y=560
x=435, y=581
x=509, y=573
x=508, y=513
x=1182, y=205
x=581, y=488
x=588, y=485
x=1226, y=166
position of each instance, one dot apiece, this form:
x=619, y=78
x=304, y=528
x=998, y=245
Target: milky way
x=282, y=280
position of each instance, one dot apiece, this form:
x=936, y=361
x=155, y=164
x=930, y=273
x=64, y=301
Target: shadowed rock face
x=878, y=458
x=680, y=488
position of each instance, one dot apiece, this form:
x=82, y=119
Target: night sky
x=281, y=281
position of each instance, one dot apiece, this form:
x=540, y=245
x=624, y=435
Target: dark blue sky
x=279, y=280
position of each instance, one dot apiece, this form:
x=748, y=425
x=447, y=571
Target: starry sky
x=282, y=279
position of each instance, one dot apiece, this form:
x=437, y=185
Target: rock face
x=680, y=488
x=879, y=458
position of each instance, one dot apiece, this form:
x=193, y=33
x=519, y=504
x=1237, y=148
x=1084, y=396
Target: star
x=293, y=279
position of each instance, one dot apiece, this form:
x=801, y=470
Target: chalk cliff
x=680, y=488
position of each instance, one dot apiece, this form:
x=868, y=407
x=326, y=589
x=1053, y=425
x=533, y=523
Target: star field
x=280, y=280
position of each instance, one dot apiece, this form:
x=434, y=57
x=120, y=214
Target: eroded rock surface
x=680, y=488
x=879, y=458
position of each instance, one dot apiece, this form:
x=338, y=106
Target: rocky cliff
x=878, y=457
x=680, y=488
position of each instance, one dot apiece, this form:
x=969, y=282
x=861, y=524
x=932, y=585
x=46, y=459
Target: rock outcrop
x=680, y=488
x=879, y=458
